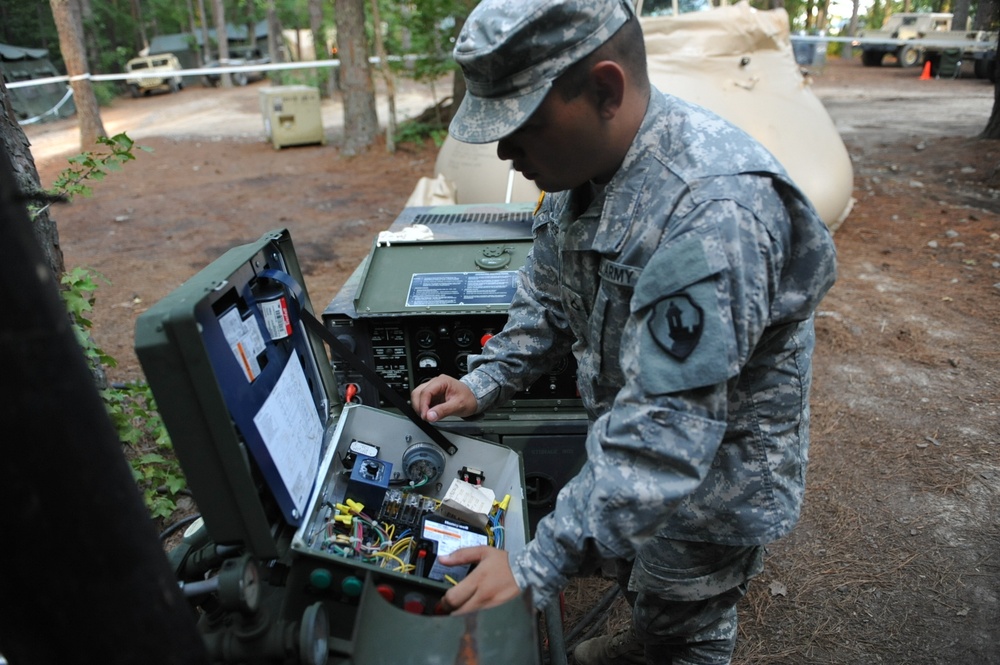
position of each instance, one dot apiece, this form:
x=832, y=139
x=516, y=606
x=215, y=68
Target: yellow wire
x=401, y=545
x=387, y=555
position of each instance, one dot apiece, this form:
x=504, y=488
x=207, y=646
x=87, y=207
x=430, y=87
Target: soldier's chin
x=546, y=185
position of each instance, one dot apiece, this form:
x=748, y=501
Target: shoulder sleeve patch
x=686, y=338
x=676, y=324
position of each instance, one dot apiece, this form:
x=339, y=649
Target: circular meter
x=463, y=337
x=314, y=636
x=426, y=338
x=423, y=462
x=239, y=584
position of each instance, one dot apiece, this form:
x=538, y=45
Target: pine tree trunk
x=360, y=119
x=193, y=29
x=70, y=26
x=274, y=39
x=14, y=142
x=992, y=129
x=320, y=47
x=390, y=82
x=16, y=145
x=222, y=39
x=206, y=47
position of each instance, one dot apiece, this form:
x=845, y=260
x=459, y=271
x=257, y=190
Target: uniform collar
x=604, y=226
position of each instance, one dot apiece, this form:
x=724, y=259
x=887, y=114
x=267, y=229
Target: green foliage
x=79, y=285
x=25, y=24
x=315, y=78
x=105, y=92
x=427, y=29
x=130, y=407
x=876, y=15
x=154, y=466
x=418, y=132
x=117, y=150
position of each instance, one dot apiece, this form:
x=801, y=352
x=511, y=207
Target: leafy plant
x=118, y=149
x=154, y=467
x=416, y=132
x=131, y=406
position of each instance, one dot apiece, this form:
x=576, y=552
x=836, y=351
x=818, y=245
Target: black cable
x=591, y=618
x=602, y=607
x=178, y=524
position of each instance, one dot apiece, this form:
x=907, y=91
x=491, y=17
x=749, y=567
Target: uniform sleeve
x=697, y=311
x=536, y=334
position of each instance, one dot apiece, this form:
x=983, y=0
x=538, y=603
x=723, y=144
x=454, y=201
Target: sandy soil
x=895, y=559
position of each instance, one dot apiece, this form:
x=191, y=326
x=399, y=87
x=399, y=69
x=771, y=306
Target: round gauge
x=427, y=361
x=239, y=584
x=424, y=462
x=462, y=362
x=463, y=337
x=251, y=586
x=314, y=636
x=426, y=338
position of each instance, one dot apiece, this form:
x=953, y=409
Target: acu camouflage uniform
x=685, y=290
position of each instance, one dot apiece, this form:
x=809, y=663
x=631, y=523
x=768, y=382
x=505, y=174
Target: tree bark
x=960, y=15
x=222, y=39
x=16, y=145
x=390, y=82
x=985, y=19
x=822, y=14
x=274, y=39
x=986, y=15
x=193, y=27
x=140, y=24
x=852, y=28
x=360, y=118
x=206, y=47
x=70, y=26
x=320, y=48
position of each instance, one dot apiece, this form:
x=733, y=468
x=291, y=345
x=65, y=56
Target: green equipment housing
x=284, y=564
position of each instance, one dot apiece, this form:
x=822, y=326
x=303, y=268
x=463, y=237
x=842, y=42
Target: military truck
x=916, y=37
x=163, y=64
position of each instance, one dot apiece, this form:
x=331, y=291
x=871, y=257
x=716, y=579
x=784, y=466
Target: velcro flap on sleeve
x=686, y=337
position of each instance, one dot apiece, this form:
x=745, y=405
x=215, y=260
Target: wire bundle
x=495, y=523
x=351, y=533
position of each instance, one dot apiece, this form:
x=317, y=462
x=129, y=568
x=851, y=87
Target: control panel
x=418, y=308
x=406, y=352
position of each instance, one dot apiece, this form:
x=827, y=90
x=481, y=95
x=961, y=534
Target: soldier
x=676, y=260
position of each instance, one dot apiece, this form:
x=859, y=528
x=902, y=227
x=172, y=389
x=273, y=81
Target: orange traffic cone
x=926, y=74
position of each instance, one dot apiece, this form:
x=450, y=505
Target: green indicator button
x=351, y=586
x=320, y=578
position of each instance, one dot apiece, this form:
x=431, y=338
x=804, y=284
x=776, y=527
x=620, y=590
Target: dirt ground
x=896, y=557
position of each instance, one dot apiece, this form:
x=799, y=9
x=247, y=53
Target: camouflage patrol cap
x=511, y=51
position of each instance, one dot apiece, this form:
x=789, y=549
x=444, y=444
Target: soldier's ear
x=608, y=79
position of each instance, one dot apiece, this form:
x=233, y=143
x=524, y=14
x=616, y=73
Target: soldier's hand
x=490, y=583
x=441, y=397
